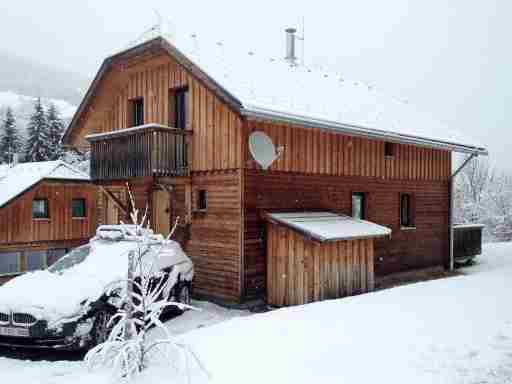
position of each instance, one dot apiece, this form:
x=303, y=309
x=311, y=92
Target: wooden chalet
x=173, y=120
x=46, y=208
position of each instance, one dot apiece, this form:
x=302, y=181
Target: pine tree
x=55, y=131
x=38, y=148
x=10, y=141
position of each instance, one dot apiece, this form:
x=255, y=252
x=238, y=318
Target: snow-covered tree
x=10, y=140
x=77, y=159
x=128, y=350
x=38, y=145
x=55, y=131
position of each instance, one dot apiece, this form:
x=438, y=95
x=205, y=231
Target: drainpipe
x=452, y=203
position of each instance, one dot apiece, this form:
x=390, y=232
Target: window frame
x=389, y=149
x=137, y=119
x=410, y=223
x=84, y=208
x=46, y=209
x=178, y=106
x=202, y=200
x=362, y=195
x=19, y=255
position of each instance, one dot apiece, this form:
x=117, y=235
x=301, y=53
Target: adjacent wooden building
x=46, y=208
x=173, y=120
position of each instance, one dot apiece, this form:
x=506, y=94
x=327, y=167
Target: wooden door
x=111, y=212
x=161, y=212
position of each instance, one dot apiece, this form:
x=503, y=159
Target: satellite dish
x=263, y=150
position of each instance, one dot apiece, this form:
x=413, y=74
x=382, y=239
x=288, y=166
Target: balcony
x=146, y=150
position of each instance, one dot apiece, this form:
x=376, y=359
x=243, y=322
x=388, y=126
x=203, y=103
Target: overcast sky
x=451, y=58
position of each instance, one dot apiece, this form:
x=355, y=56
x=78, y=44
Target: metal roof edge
x=252, y=111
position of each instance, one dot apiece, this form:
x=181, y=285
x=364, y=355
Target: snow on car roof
x=16, y=179
x=328, y=226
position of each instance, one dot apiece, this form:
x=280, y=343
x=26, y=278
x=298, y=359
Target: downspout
x=452, y=203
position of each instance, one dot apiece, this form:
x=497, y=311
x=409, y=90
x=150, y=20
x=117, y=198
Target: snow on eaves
x=328, y=226
x=16, y=179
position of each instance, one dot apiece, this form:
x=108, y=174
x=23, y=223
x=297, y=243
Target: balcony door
x=161, y=212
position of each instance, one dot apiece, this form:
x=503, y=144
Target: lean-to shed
x=313, y=256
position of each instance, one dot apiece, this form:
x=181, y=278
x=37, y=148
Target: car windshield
x=75, y=257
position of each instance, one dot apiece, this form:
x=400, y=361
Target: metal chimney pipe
x=290, y=46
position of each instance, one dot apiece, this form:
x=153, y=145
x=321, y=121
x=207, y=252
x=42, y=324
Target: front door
x=161, y=212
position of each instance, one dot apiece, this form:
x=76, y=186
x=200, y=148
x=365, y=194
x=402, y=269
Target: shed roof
x=270, y=88
x=16, y=179
x=328, y=226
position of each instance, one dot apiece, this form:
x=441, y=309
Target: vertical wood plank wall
x=300, y=271
x=314, y=151
x=217, y=130
x=17, y=225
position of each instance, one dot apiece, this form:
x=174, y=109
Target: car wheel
x=101, y=328
x=184, y=294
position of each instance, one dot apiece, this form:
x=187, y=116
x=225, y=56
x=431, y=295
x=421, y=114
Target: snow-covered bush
x=144, y=294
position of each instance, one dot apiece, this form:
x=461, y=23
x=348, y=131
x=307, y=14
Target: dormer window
x=136, y=111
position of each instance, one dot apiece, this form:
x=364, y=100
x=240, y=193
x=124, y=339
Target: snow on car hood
x=53, y=296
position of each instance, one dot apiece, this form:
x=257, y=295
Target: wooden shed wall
x=217, y=130
x=314, y=151
x=17, y=225
x=424, y=246
x=301, y=271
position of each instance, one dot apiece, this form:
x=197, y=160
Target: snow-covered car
x=69, y=305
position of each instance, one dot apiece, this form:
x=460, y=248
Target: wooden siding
x=217, y=138
x=301, y=271
x=18, y=227
x=424, y=246
x=313, y=151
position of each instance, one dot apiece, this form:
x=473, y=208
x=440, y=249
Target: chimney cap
x=290, y=30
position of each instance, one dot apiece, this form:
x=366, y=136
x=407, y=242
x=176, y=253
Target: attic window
x=389, y=149
x=178, y=108
x=136, y=111
x=202, y=200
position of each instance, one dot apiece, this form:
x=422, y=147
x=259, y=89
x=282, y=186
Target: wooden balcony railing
x=147, y=150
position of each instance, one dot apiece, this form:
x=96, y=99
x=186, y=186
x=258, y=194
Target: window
x=10, y=263
x=202, y=200
x=55, y=255
x=136, y=107
x=78, y=208
x=36, y=260
x=178, y=108
x=406, y=210
x=358, y=205
x=389, y=149
x=40, y=209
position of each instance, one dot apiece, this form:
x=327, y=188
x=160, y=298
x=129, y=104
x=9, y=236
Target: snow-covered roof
x=328, y=226
x=263, y=87
x=16, y=179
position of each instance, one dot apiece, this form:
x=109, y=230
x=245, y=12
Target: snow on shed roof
x=16, y=179
x=328, y=226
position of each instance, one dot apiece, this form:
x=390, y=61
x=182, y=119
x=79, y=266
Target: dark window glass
x=40, y=209
x=54, y=255
x=137, y=111
x=35, y=260
x=358, y=205
x=10, y=262
x=202, y=200
x=389, y=149
x=78, y=208
x=180, y=108
x=406, y=213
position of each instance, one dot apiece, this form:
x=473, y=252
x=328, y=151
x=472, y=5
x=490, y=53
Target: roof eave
x=251, y=111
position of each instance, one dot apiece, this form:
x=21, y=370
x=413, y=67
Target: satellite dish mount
x=263, y=149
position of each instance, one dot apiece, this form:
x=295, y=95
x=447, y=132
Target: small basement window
x=358, y=205
x=136, y=110
x=202, y=200
x=36, y=260
x=10, y=263
x=389, y=149
x=78, y=208
x=40, y=209
x=406, y=210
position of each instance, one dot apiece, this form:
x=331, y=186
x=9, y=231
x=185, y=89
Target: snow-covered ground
x=454, y=330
